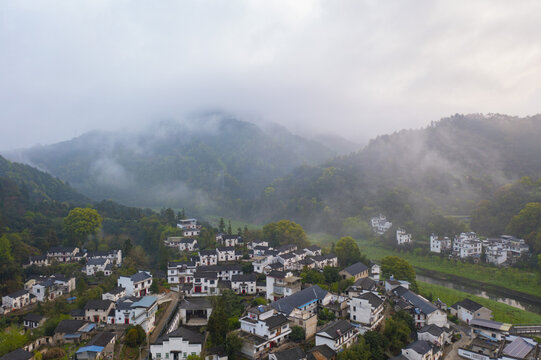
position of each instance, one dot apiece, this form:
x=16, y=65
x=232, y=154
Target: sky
x=353, y=68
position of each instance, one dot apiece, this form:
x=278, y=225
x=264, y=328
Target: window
x=354, y=308
x=158, y=355
x=167, y=355
x=354, y=317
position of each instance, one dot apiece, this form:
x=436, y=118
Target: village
x=283, y=316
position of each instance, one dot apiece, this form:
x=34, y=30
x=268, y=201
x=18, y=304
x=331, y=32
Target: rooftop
x=356, y=268
x=336, y=329
x=299, y=299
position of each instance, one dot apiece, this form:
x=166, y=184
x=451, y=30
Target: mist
x=352, y=68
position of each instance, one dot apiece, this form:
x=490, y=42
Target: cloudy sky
x=355, y=68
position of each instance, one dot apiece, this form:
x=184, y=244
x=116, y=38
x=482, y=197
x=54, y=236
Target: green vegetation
x=348, y=252
x=400, y=269
x=501, y=312
x=284, y=232
x=509, y=278
x=297, y=334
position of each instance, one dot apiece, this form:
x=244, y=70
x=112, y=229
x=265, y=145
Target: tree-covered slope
x=446, y=168
x=212, y=161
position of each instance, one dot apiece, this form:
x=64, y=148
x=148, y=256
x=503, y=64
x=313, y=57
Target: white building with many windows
x=402, y=237
x=178, y=344
x=136, y=285
x=439, y=244
x=367, y=310
x=467, y=245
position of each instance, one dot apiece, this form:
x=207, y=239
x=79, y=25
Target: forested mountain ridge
x=211, y=162
x=444, y=169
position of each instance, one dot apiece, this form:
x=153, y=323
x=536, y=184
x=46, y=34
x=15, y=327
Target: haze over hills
x=261, y=174
x=196, y=163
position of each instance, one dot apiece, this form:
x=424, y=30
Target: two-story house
x=244, y=284
x=281, y=283
x=209, y=257
x=337, y=335
x=134, y=311
x=137, y=284
x=367, y=310
x=95, y=265
x=16, y=300
x=229, y=240
x=180, y=272
x=467, y=310
x=98, y=310
x=178, y=344
x=355, y=271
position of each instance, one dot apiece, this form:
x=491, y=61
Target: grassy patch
x=501, y=312
x=509, y=278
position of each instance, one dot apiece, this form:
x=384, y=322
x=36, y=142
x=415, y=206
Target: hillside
x=210, y=162
x=412, y=175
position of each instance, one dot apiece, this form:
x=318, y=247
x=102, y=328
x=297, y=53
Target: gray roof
x=96, y=261
x=365, y=283
x=244, y=277
x=115, y=291
x=208, y=252
x=276, y=320
x=414, y=299
x=287, y=304
x=286, y=247
x=420, y=346
x=225, y=248
x=17, y=293
x=277, y=274
x=313, y=248
x=186, y=334
x=356, y=268
x=324, y=350
x=468, y=305
x=69, y=326
x=373, y=299
x=195, y=303
x=36, y=318
x=18, y=354
x=518, y=348
x=98, y=304
x=337, y=328
x=220, y=267
x=288, y=256
x=275, y=266
x=140, y=276
x=102, y=339
x=205, y=274
x=431, y=329
x=295, y=353
x=77, y=313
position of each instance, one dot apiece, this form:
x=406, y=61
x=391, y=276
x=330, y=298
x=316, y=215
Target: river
x=520, y=303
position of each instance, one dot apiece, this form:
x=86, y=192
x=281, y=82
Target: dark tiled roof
x=414, y=299
x=295, y=353
x=18, y=354
x=287, y=247
x=288, y=256
x=420, y=346
x=275, y=321
x=373, y=299
x=431, y=329
x=102, y=339
x=334, y=329
x=98, y=304
x=469, y=305
x=244, y=277
x=186, y=334
x=195, y=303
x=225, y=248
x=208, y=252
x=287, y=304
x=220, y=267
x=96, y=261
x=115, y=291
x=33, y=318
x=69, y=326
x=356, y=268
x=365, y=283
x=77, y=313
x=324, y=350
x=140, y=276
x=60, y=249
x=38, y=257
x=205, y=274
x=275, y=266
x=313, y=248
x=277, y=274
x=18, y=293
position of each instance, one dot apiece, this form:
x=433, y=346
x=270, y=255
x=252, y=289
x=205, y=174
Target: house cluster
x=38, y=289
x=380, y=225
x=498, y=251
x=189, y=227
x=265, y=259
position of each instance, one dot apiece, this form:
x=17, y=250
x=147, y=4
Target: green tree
x=285, y=232
x=297, y=334
x=221, y=226
x=82, y=222
x=233, y=345
x=348, y=252
x=11, y=338
x=527, y=224
x=377, y=343
x=218, y=325
x=358, y=351
x=331, y=274
x=397, y=333
x=193, y=357
x=229, y=230
x=135, y=336
x=5, y=250
x=400, y=269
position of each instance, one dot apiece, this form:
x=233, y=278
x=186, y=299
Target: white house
x=222, y=271
x=260, y=262
x=16, y=300
x=496, y=253
x=467, y=245
x=137, y=312
x=227, y=254
x=367, y=310
x=421, y=350
x=64, y=254
x=205, y=283
x=33, y=321
x=187, y=224
x=208, y=257
x=114, y=256
x=191, y=232
x=436, y=335
x=95, y=265
x=312, y=250
x=136, y=285
x=262, y=328
x=439, y=244
x=114, y=295
x=289, y=260
x=229, y=240
x=180, y=272
x=402, y=237
x=467, y=310
x=337, y=335
x=380, y=224
x=252, y=244
x=178, y=344
x=422, y=310
x=280, y=284
x=38, y=260
x=51, y=288
x=244, y=284
x=98, y=310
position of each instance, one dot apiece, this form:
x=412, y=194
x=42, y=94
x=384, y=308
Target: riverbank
x=520, y=282
x=502, y=312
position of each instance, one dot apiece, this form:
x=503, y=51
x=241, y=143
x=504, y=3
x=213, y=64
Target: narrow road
x=451, y=352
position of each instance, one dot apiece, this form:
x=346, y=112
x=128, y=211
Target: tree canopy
x=399, y=268
x=285, y=232
x=348, y=252
x=82, y=222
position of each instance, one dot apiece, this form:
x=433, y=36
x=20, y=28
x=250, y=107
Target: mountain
x=210, y=162
x=38, y=185
x=411, y=175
